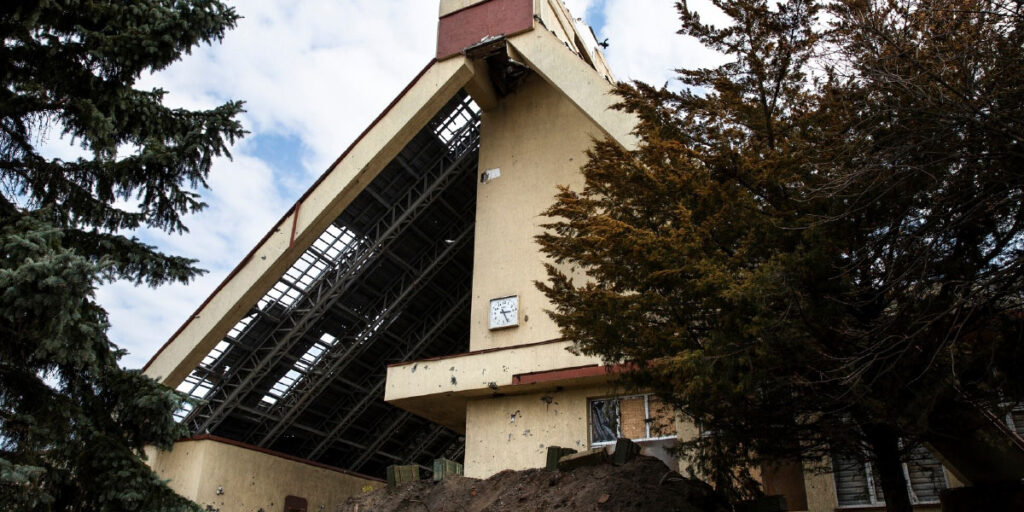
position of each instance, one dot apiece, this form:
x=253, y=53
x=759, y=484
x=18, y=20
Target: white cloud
x=644, y=44
x=319, y=72
x=579, y=8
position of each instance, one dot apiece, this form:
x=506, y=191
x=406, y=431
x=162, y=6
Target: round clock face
x=504, y=312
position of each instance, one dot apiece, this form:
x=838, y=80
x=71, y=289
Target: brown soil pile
x=645, y=484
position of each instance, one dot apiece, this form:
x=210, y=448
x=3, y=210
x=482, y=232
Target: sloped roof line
x=291, y=211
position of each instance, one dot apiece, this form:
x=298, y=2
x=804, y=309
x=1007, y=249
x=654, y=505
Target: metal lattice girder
x=437, y=322
x=456, y=450
x=422, y=444
x=380, y=438
x=347, y=442
x=433, y=325
x=336, y=362
x=322, y=377
x=453, y=131
x=353, y=350
x=330, y=286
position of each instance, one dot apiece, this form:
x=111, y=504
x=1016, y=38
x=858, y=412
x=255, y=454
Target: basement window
x=639, y=418
x=858, y=484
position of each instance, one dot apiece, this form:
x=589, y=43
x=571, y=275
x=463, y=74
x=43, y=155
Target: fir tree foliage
x=73, y=424
x=816, y=247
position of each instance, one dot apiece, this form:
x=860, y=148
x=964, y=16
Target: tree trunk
x=886, y=447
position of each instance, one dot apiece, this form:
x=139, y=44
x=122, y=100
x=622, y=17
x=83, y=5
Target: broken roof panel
x=303, y=371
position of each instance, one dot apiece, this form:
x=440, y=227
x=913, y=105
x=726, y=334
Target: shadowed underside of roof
x=389, y=280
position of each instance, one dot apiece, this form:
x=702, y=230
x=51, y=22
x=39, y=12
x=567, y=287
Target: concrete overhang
x=591, y=92
x=310, y=216
x=439, y=388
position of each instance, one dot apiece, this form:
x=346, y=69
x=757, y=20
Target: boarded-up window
x=857, y=482
x=638, y=417
x=662, y=420
x=634, y=417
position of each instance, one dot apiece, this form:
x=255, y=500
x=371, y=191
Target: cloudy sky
x=314, y=74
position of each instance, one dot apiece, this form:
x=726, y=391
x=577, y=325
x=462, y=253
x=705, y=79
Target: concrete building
x=391, y=316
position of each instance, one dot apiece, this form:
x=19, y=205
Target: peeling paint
x=513, y=416
x=414, y=367
x=454, y=381
x=526, y=433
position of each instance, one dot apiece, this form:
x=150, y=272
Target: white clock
x=504, y=312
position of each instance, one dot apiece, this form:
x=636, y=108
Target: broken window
x=604, y=421
x=638, y=417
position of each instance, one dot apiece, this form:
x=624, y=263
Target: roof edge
x=295, y=211
x=267, y=451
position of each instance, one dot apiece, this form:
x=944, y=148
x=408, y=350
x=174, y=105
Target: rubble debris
x=625, y=451
x=591, y=457
x=632, y=487
x=555, y=453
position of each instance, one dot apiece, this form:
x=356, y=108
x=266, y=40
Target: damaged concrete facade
x=391, y=316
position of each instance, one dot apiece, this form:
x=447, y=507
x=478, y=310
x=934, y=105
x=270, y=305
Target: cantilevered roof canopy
x=372, y=266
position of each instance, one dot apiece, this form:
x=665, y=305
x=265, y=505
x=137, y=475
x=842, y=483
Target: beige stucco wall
x=250, y=480
x=537, y=137
x=556, y=22
x=514, y=432
x=479, y=371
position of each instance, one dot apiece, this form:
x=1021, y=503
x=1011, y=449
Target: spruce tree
x=73, y=423
x=816, y=248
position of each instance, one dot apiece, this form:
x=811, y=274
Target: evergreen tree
x=816, y=248
x=73, y=424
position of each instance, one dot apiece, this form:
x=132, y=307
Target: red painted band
x=469, y=26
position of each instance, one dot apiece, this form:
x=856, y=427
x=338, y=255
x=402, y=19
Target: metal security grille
x=303, y=371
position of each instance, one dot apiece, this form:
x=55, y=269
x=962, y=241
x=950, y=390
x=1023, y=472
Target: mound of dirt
x=642, y=485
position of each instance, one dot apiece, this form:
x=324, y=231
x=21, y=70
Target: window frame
x=869, y=480
x=1010, y=422
x=618, y=420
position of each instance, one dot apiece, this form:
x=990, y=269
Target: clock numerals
x=504, y=312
